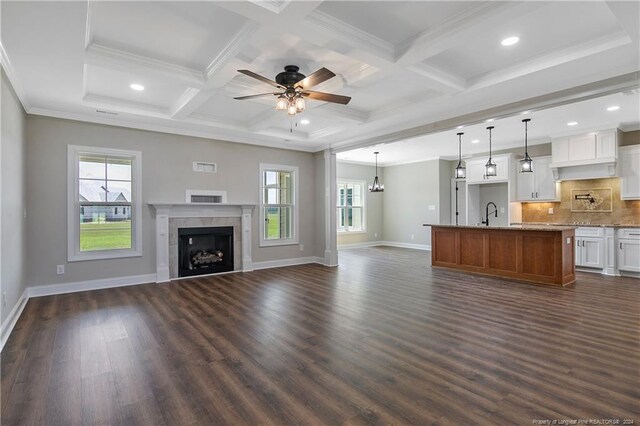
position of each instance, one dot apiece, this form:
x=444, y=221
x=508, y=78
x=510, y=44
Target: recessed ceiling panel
x=189, y=34
x=158, y=91
x=394, y=21
x=549, y=28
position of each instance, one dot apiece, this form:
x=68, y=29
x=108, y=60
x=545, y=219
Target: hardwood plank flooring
x=382, y=339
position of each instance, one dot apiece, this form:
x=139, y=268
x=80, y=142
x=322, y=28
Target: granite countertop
x=513, y=227
x=580, y=225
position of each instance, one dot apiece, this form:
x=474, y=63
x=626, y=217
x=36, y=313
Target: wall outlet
x=375, y=235
x=550, y=210
x=502, y=210
x=431, y=207
x=301, y=247
x=412, y=236
x=60, y=269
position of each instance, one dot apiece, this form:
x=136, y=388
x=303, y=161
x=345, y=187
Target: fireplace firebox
x=206, y=250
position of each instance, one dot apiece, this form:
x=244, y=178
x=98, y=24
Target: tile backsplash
x=623, y=212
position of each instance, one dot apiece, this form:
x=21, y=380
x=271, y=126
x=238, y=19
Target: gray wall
x=12, y=194
x=166, y=174
x=409, y=191
x=373, y=202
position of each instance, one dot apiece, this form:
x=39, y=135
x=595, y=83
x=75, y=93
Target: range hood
x=596, y=170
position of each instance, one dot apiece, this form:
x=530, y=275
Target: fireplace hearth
x=205, y=250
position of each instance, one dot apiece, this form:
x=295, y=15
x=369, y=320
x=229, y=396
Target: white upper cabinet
x=538, y=185
x=475, y=169
x=630, y=172
x=590, y=148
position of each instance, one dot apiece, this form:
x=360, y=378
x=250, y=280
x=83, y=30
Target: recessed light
x=490, y=120
x=475, y=141
x=304, y=121
x=510, y=41
x=572, y=123
x=137, y=87
x=525, y=112
x=613, y=108
x=459, y=127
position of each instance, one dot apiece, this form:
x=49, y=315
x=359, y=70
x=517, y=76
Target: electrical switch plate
x=550, y=210
x=60, y=270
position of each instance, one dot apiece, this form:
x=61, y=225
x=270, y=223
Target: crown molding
x=231, y=49
x=13, y=79
x=100, y=55
x=125, y=106
x=352, y=35
x=448, y=79
x=275, y=6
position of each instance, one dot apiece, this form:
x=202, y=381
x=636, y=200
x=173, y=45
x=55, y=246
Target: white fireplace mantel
x=164, y=211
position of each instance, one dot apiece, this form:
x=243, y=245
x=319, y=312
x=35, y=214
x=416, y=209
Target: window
x=278, y=205
x=351, y=199
x=104, y=203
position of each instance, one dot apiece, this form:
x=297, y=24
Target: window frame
x=74, y=254
x=363, y=183
x=294, y=204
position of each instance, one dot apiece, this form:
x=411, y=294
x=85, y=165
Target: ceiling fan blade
x=317, y=77
x=261, y=78
x=240, y=98
x=327, y=97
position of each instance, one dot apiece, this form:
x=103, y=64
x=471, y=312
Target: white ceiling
x=405, y=64
x=545, y=124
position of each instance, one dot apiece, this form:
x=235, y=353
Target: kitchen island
x=538, y=254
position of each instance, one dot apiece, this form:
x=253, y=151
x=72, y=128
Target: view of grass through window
x=277, y=187
x=104, y=189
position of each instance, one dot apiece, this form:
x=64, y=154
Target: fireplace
x=205, y=250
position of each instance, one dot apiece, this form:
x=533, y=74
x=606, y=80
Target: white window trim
x=294, y=238
x=73, y=205
x=364, y=206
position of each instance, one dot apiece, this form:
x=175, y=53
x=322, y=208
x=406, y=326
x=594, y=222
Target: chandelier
x=376, y=186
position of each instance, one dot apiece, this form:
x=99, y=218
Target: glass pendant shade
x=461, y=171
x=300, y=104
x=281, y=103
x=490, y=169
x=376, y=186
x=291, y=109
x=526, y=164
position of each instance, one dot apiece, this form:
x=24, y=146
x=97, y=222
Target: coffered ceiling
x=405, y=64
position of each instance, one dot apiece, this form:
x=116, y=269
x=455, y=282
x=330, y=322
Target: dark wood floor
x=381, y=339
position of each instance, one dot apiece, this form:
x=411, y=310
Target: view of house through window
x=104, y=189
x=277, y=187
x=350, y=206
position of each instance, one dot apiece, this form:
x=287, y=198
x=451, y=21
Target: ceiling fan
x=295, y=87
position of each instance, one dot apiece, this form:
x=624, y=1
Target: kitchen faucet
x=486, y=212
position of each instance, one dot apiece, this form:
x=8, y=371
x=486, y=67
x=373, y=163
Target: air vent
x=199, y=166
x=202, y=196
x=206, y=199
x=102, y=111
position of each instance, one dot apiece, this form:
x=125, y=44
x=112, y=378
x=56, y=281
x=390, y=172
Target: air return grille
x=206, y=199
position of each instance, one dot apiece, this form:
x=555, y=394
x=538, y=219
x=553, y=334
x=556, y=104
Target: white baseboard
x=12, y=318
x=287, y=262
x=359, y=245
x=426, y=247
x=73, y=287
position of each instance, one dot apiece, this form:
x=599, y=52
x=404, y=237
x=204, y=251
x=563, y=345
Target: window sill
x=103, y=255
x=351, y=232
x=272, y=243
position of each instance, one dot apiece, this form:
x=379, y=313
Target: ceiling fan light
x=281, y=103
x=300, y=104
x=291, y=109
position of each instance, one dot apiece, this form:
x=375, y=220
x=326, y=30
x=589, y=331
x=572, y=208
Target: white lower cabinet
x=629, y=249
x=590, y=252
x=590, y=247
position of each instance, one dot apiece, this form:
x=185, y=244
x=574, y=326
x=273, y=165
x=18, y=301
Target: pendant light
x=377, y=186
x=526, y=164
x=461, y=171
x=490, y=169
